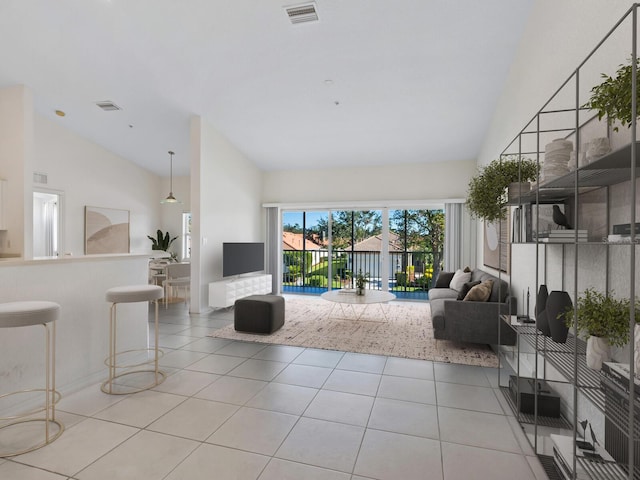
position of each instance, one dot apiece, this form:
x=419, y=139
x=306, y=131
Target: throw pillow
x=444, y=279
x=465, y=289
x=459, y=279
x=480, y=293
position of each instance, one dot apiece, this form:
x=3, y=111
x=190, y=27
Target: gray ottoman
x=259, y=314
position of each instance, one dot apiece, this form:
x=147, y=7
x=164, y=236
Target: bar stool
x=26, y=314
x=131, y=294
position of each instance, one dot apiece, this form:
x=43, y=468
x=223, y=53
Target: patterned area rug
x=405, y=332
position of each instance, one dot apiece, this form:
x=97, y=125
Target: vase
x=558, y=303
x=360, y=291
x=598, y=351
x=541, y=304
x=517, y=189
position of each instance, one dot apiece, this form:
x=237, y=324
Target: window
x=186, y=236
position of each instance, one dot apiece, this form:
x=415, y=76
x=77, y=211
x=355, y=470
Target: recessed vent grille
x=40, y=178
x=108, y=106
x=302, y=13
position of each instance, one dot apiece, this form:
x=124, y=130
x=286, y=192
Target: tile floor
x=234, y=410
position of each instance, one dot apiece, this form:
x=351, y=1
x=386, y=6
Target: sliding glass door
x=356, y=246
x=305, y=251
x=415, y=250
x=396, y=250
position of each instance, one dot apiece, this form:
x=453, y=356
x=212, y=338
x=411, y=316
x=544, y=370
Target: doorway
x=47, y=224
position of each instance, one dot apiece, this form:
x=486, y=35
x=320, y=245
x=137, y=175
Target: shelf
x=552, y=422
x=597, y=196
x=615, y=167
x=561, y=357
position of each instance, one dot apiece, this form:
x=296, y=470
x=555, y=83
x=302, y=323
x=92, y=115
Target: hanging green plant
x=486, y=196
x=612, y=98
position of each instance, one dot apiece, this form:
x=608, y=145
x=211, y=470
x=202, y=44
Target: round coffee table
x=349, y=297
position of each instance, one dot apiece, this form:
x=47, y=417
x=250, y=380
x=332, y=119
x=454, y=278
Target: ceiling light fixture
x=170, y=198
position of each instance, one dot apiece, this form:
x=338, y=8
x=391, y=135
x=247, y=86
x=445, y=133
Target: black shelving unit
x=609, y=183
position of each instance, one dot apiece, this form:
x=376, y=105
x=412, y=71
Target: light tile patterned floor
x=234, y=410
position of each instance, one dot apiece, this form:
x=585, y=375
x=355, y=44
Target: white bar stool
x=26, y=314
x=131, y=294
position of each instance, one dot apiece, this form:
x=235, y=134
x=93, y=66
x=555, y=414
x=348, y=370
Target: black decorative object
x=560, y=218
x=541, y=305
x=548, y=400
x=583, y=444
x=557, y=304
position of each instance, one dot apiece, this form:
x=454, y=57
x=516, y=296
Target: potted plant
x=162, y=241
x=604, y=320
x=486, y=196
x=361, y=278
x=612, y=98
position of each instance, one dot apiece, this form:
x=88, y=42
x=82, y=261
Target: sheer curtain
x=460, y=237
x=274, y=241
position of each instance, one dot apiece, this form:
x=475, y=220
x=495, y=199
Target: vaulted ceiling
x=371, y=82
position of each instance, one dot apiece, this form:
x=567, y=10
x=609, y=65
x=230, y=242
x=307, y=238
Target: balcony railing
x=410, y=273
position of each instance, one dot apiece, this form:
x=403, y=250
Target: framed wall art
x=497, y=248
x=106, y=230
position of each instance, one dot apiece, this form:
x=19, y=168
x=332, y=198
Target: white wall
x=91, y=175
x=16, y=158
x=556, y=39
x=226, y=197
x=423, y=181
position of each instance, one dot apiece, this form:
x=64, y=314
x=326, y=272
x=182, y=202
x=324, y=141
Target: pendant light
x=170, y=198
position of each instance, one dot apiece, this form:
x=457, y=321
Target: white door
x=46, y=224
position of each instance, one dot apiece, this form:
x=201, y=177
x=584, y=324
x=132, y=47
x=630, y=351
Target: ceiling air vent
x=108, y=106
x=302, y=13
x=40, y=178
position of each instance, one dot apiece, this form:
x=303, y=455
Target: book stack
x=562, y=236
x=622, y=233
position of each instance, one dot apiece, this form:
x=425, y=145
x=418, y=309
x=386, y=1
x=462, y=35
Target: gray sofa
x=473, y=322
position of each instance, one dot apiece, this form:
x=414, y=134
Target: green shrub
x=317, y=281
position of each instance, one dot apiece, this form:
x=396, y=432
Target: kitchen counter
x=78, y=284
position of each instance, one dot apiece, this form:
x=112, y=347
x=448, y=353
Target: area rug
x=405, y=332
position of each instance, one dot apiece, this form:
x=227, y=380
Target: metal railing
x=410, y=273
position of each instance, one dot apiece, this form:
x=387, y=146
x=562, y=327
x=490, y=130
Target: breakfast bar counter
x=78, y=284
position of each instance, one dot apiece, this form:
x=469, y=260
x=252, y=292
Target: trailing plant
x=612, y=98
x=486, y=196
x=162, y=241
x=601, y=315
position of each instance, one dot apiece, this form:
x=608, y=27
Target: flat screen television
x=242, y=257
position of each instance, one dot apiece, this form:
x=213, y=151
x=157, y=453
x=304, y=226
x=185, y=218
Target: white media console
x=224, y=293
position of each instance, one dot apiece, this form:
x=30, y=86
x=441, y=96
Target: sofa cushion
x=459, y=279
x=480, y=293
x=465, y=289
x=442, y=293
x=444, y=279
x=500, y=290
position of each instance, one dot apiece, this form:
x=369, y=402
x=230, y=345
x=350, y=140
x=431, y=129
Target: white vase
x=598, y=351
x=636, y=350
